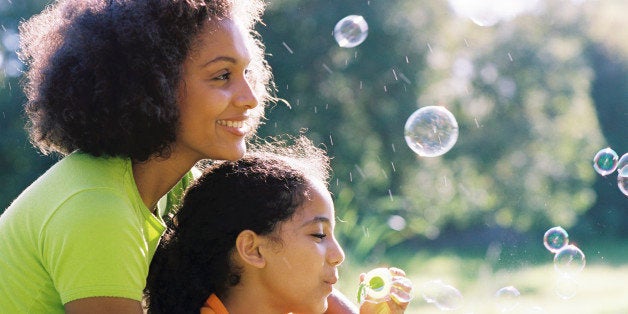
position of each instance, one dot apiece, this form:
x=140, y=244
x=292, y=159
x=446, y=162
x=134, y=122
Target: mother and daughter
x=133, y=94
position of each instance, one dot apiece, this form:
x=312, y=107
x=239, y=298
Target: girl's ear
x=248, y=246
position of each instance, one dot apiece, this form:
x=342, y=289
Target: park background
x=538, y=87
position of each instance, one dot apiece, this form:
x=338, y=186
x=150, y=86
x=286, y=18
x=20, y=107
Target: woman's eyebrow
x=219, y=59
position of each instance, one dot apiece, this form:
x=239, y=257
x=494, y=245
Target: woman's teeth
x=235, y=124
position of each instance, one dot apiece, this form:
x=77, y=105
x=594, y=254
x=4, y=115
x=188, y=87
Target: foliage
x=535, y=97
x=521, y=92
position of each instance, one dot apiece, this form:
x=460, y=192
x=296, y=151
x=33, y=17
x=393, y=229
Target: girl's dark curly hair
x=255, y=193
x=103, y=75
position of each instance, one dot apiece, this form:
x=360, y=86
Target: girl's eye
x=319, y=235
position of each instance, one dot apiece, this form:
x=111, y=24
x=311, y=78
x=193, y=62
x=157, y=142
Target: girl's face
x=216, y=102
x=301, y=270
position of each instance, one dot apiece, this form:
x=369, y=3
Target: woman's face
x=216, y=102
x=301, y=270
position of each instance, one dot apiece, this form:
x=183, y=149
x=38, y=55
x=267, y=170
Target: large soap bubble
x=431, y=131
x=443, y=296
x=351, y=31
x=569, y=261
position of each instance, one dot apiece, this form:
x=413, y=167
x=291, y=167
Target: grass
x=601, y=288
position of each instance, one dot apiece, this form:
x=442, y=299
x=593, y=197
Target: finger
x=402, y=283
x=396, y=271
x=401, y=297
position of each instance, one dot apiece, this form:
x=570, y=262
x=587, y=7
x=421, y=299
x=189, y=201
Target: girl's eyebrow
x=317, y=219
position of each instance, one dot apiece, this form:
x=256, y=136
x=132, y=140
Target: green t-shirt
x=80, y=230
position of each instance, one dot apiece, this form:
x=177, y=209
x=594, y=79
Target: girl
x=252, y=236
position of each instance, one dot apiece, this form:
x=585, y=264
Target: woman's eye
x=319, y=235
x=223, y=77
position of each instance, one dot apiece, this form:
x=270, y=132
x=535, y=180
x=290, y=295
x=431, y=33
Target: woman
x=132, y=93
x=252, y=236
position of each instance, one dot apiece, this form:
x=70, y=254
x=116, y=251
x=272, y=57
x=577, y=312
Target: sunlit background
x=477, y=144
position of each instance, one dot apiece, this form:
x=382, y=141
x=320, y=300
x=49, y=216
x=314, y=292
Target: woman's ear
x=248, y=244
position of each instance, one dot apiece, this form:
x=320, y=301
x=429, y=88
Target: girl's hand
x=400, y=295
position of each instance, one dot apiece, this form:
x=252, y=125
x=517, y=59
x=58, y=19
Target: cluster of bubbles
x=569, y=261
x=607, y=161
x=446, y=297
x=430, y=131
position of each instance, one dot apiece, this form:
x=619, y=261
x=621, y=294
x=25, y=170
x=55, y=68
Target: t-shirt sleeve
x=94, y=246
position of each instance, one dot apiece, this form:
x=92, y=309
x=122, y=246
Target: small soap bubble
x=431, y=131
x=396, y=222
x=605, y=161
x=535, y=309
x=566, y=287
x=443, y=296
x=555, y=239
x=351, y=31
x=569, y=260
x=622, y=179
x=507, y=299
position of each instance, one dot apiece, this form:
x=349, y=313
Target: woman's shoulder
x=76, y=173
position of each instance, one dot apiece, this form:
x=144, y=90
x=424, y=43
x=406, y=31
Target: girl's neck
x=241, y=300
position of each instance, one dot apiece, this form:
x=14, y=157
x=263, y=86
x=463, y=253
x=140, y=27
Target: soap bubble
x=490, y=12
x=431, y=131
x=507, y=298
x=351, y=31
x=622, y=179
x=569, y=260
x=623, y=161
x=396, y=222
x=555, y=239
x=443, y=296
x=566, y=287
x=605, y=161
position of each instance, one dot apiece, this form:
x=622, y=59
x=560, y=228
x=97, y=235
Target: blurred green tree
x=20, y=163
x=535, y=98
x=521, y=92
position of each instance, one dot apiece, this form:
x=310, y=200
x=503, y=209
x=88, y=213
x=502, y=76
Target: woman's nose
x=245, y=95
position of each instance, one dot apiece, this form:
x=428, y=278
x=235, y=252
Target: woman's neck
x=156, y=176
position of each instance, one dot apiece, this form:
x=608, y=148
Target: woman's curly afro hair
x=103, y=75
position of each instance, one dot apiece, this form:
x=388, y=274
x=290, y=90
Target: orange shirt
x=213, y=305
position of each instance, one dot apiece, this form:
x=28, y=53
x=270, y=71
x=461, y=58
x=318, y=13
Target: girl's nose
x=336, y=255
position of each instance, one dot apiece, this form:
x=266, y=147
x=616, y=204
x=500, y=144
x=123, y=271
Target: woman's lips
x=237, y=127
